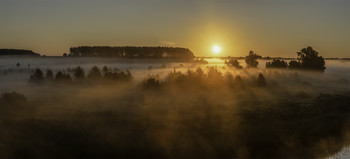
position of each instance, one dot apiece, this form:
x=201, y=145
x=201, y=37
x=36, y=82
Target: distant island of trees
x=131, y=52
x=17, y=52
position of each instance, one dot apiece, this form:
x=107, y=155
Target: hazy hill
x=16, y=52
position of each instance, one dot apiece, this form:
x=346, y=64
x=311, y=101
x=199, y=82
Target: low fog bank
x=192, y=111
x=14, y=72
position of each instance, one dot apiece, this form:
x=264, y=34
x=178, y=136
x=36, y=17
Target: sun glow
x=216, y=49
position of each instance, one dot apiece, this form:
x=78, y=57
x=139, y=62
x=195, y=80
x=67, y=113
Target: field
x=172, y=109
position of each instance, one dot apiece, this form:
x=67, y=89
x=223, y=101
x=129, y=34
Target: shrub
x=251, y=59
x=233, y=63
x=261, y=80
x=310, y=60
x=294, y=64
x=119, y=75
x=94, y=74
x=49, y=75
x=214, y=74
x=105, y=70
x=151, y=83
x=62, y=77
x=37, y=76
x=276, y=63
x=79, y=74
x=175, y=77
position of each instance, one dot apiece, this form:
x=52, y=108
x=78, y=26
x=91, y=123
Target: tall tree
x=251, y=59
x=309, y=59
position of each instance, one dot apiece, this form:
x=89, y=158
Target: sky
x=276, y=28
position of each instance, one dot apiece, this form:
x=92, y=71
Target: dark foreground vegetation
x=16, y=52
x=196, y=114
x=132, y=52
x=77, y=76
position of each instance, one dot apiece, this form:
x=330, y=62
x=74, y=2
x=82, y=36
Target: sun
x=216, y=49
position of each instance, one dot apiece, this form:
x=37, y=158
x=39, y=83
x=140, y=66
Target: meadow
x=171, y=109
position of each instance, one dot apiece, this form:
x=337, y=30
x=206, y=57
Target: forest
x=17, y=52
x=131, y=52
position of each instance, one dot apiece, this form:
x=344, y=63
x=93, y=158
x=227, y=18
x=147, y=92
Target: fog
x=173, y=109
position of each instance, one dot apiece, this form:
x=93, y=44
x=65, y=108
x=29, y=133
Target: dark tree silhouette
x=118, y=75
x=37, y=76
x=309, y=59
x=276, y=63
x=94, y=74
x=49, y=75
x=105, y=70
x=294, y=64
x=151, y=83
x=62, y=77
x=132, y=52
x=238, y=80
x=79, y=74
x=196, y=76
x=261, y=80
x=251, y=59
x=234, y=63
x=16, y=52
x=214, y=73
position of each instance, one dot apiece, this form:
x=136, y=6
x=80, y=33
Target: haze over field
x=170, y=109
x=174, y=79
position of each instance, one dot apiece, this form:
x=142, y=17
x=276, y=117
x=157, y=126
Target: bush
x=233, y=63
x=119, y=75
x=251, y=59
x=105, y=70
x=261, y=80
x=310, y=60
x=79, y=74
x=196, y=76
x=175, y=77
x=276, y=63
x=294, y=64
x=214, y=74
x=49, y=75
x=94, y=74
x=62, y=77
x=151, y=83
x=37, y=76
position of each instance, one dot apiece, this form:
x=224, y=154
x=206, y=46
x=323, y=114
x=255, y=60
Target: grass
x=196, y=114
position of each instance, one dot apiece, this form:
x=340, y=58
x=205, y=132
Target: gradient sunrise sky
x=269, y=27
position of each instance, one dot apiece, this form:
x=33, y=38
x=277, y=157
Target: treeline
x=131, y=52
x=308, y=59
x=94, y=75
x=199, y=79
x=16, y=52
